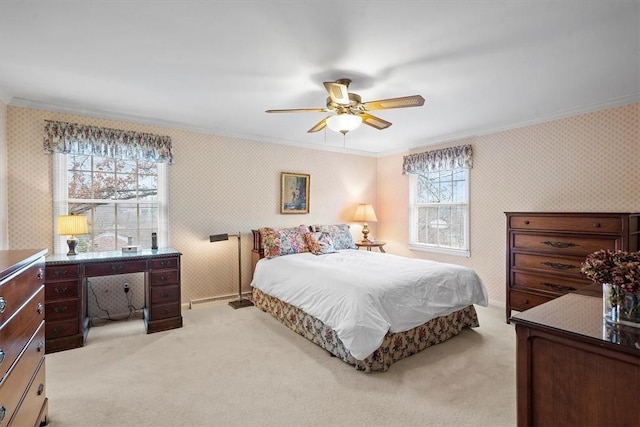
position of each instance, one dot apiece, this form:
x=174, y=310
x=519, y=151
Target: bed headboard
x=257, y=251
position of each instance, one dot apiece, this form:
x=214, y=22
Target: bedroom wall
x=4, y=231
x=217, y=185
x=589, y=162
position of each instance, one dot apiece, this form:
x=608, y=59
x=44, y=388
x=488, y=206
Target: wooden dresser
x=23, y=400
x=545, y=251
x=573, y=369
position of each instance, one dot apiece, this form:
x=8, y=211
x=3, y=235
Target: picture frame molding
x=286, y=200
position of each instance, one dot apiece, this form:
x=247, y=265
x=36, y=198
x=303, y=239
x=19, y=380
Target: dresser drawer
x=61, y=328
x=164, y=311
x=562, y=244
x=116, y=267
x=548, y=283
x=163, y=277
x=164, y=294
x=63, y=289
x=20, y=375
x=523, y=301
x=62, y=309
x=19, y=288
x=580, y=224
x=33, y=399
x=161, y=263
x=549, y=263
x=62, y=271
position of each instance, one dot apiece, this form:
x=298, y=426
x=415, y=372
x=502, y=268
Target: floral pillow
x=339, y=233
x=283, y=241
x=319, y=243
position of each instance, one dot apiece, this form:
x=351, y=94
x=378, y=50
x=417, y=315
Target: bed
x=367, y=308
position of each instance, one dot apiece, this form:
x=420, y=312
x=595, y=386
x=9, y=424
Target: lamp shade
x=365, y=213
x=72, y=224
x=344, y=123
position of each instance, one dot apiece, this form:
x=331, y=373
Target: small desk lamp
x=72, y=225
x=365, y=213
x=240, y=302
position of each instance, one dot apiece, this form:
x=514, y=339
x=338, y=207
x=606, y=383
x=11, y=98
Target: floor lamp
x=240, y=302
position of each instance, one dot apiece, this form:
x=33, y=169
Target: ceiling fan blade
x=402, y=102
x=338, y=92
x=318, y=126
x=375, y=122
x=299, y=110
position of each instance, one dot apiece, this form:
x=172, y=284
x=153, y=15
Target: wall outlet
x=126, y=288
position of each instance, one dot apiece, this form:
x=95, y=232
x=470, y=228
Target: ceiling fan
x=349, y=109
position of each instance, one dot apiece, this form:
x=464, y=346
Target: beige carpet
x=241, y=367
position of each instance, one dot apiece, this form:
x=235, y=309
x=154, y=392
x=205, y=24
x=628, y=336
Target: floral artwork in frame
x=294, y=193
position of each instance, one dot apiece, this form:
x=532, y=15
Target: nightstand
x=370, y=245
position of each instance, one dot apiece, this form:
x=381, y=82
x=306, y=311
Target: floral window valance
x=437, y=160
x=71, y=138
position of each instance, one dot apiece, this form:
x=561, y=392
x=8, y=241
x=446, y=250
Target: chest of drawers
x=22, y=362
x=545, y=251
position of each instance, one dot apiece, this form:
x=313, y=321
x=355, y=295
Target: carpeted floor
x=241, y=367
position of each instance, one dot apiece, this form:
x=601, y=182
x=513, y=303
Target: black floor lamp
x=240, y=302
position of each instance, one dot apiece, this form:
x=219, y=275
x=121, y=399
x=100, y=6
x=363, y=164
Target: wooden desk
x=66, y=320
x=573, y=369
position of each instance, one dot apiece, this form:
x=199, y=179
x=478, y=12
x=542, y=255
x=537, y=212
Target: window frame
x=413, y=226
x=61, y=201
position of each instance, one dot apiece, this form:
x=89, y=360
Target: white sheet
x=362, y=294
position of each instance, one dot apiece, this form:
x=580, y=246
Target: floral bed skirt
x=395, y=346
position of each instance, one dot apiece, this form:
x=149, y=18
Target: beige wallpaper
x=217, y=185
x=4, y=212
x=589, y=162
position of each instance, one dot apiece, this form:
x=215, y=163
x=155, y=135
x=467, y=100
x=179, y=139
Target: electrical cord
x=101, y=321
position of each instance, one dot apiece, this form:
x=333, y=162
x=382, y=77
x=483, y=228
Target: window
x=439, y=200
x=439, y=211
x=116, y=178
x=119, y=197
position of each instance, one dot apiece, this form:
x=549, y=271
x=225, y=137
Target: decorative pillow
x=339, y=234
x=283, y=241
x=319, y=243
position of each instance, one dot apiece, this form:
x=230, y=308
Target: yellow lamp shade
x=365, y=213
x=72, y=225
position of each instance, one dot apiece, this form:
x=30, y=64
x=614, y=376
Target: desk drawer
x=116, y=267
x=162, y=263
x=62, y=309
x=164, y=311
x=163, y=277
x=548, y=283
x=14, y=292
x=164, y=294
x=63, y=289
x=61, y=328
x=556, y=264
x=523, y=301
x=62, y=271
x=563, y=245
x=580, y=224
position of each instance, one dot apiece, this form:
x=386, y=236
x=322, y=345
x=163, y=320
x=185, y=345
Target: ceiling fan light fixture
x=344, y=123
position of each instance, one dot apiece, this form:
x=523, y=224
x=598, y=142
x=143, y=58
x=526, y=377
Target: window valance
x=72, y=138
x=436, y=160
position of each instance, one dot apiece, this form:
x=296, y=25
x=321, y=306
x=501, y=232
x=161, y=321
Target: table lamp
x=240, y=302
x=71, y=225
x=365, y=213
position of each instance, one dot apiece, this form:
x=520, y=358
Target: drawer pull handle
x=40, y=274
x=40, y=308
x=559, y=266
x=163, y=278
x=61, y=309
x=164, y=294
x=526, y=222
x=559, y=287
x=60, y=273
x=164, y=263
x=164, y=311
x=117, y=267
x=3, y=412
x=40, y=389
x=59, y=329
x=2, y=354
x=596, y=224
x=561, y=245
x=61, y=289
x=3, y=305
x=40, y=346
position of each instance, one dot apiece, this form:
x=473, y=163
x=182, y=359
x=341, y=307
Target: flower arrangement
x=619, y=268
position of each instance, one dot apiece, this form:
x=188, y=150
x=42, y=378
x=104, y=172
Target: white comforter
x=362, y=294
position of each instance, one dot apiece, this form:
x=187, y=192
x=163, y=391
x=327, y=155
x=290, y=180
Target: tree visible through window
x=119, y=198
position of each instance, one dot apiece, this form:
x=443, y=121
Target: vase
x=619, y=306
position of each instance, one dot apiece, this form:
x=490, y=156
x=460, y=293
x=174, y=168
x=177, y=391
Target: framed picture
x=294, y=193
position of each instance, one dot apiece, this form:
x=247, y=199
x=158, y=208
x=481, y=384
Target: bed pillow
x=339, y=234
x=283, y=241
x=319, y=243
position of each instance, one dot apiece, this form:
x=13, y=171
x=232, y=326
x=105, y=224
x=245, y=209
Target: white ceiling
x=216, y=66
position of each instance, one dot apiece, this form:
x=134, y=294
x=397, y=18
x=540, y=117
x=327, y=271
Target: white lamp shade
x=365, y=213
x=72, y=225
x=344, y=123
